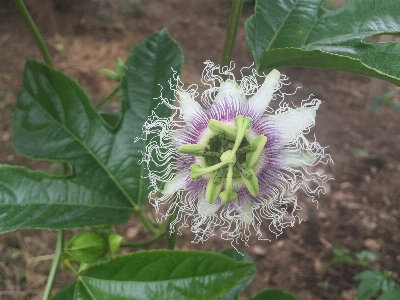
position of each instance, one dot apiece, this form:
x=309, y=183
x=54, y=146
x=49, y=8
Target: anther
x=193, y=149
x=221, y=128
x=243, y=170
x=242, y=124
x=228, y=194
x=252, y=157
x=214, y=186
x=197, y=171
x=251, y=182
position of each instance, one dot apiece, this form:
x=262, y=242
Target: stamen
x=210, y=154
x=230, y=140
x=193, y=149
x=251, y=182
x=242, y=124
x=246, y=149
x=197, y=171
x=214, y=186
x=252, y=157
x=243, y=170
x=228, y=194
x=221, y=128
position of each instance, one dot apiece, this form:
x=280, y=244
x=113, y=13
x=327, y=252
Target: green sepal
x=114, y=241
x=87, y=247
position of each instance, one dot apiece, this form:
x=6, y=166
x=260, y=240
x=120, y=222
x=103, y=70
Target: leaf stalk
x=145, y=243
x=231, y=32
x=145, y=221
x=54, y=265
x=34, y=31
x=107, y=99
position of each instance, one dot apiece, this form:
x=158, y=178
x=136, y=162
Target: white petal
x=177, y=183
x=260, y=100
x=205, y=209
x=229, y=89
x=294, y=158
x=246, y=213
x=190, y=108
x=243, y=212
x=294, y=121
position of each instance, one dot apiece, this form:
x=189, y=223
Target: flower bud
x=114, y=241
x=86, y=247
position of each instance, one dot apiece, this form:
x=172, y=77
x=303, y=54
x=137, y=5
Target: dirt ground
x=360, y=210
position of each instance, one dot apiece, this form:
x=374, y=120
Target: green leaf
x=160, y=274
x=147, y=72
x=390, y=295
x=341, y=256
x=67, y=293
x=55, y=120
x=388, y=285
x=370, y=284
x=273, y=294
x=111, y=116
x=293, y=33
x=233, y=294
x=365, y=255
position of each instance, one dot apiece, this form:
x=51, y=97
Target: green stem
x=34, y=31
x=172, y=237
x=145, y=221
x=54, y=266
x=146, y=243
x=107, y=99
x=72, y=268
x=231, y=32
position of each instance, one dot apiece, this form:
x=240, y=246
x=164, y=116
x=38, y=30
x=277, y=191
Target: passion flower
x=231, y=163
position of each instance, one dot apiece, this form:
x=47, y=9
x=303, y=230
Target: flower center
x=228, y=156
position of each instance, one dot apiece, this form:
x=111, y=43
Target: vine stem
x=172, y=237
x=54, y=265
x=231, y=32
x=47, y=59
x=108, y=98
x=145, y=221
x=145, y=243
x=34, y=31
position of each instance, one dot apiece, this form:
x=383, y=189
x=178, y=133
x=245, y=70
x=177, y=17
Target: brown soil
x=360, y=210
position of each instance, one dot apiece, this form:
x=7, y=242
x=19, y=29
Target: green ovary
x=228, y=156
